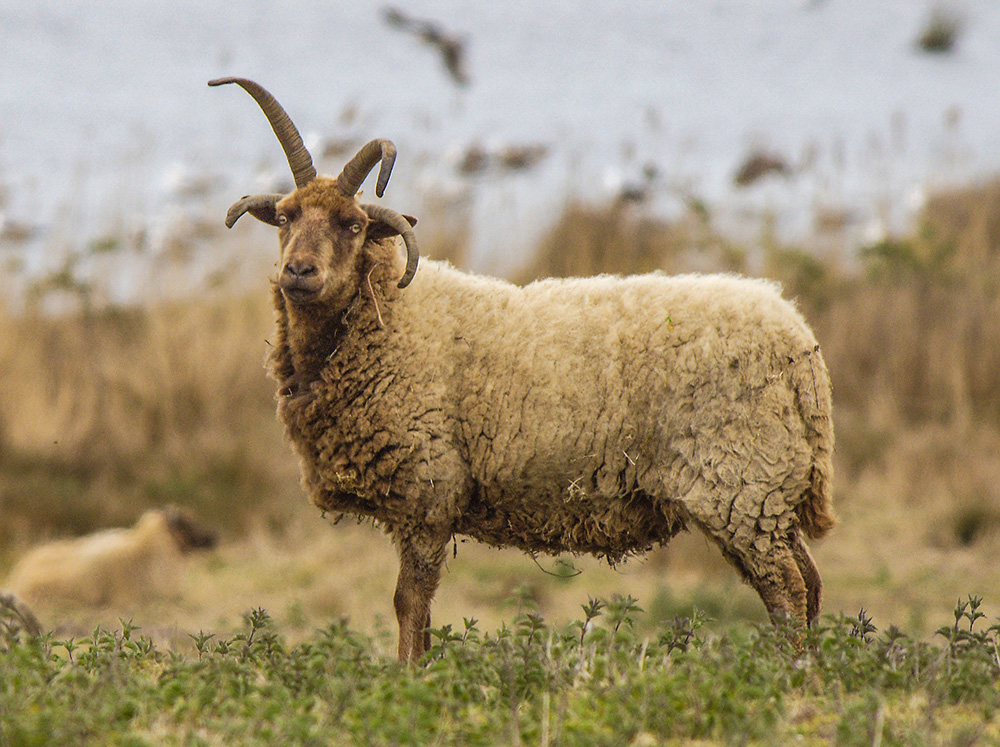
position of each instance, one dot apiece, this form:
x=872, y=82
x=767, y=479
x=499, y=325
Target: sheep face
x=321, y=234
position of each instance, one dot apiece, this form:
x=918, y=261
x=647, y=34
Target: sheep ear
x=261, y=207
x=380, y=230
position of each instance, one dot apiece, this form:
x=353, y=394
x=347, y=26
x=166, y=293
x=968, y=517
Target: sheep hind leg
x=810, y=574
x=776, y=576
x=420, y=560
x=774, y=571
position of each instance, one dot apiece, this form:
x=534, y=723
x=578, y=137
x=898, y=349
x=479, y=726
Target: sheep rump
x=598, y=415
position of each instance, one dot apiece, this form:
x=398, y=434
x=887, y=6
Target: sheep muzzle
x=300, y=288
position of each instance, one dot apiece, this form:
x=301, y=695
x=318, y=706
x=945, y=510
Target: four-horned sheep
x=598, y=415
x=111, y=566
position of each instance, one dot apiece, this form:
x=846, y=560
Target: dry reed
x=106, y=412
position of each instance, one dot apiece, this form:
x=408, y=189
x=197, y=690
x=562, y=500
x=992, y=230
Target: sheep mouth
x=300, y=290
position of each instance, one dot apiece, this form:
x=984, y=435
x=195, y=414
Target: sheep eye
x=355, y=228
x=282, y=219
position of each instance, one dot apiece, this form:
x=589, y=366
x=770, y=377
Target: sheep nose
x=300, y=268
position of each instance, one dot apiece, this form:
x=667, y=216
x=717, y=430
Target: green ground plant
x=592, y=682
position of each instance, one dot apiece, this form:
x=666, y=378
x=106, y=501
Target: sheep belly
x=608, y=526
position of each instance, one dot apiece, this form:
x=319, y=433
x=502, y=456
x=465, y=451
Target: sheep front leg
x=420, y=560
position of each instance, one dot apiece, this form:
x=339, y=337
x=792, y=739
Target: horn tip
x=407, y=276
x=235, y=213
x=221, y=81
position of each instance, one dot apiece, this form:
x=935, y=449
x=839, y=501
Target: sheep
x=599, y=415
x=113, y=566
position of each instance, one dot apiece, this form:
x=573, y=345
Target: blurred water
x=107, y=126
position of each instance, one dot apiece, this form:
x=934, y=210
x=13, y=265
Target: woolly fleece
x=597, y=415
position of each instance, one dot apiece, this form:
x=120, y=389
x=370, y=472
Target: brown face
x=321, y=233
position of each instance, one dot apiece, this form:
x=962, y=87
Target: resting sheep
x=113, y=566
x=599, y=415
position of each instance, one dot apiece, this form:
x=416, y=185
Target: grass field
x=106, y=411
x=593, y=681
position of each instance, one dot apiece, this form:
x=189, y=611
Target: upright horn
x=298, y=157
x=355, y=171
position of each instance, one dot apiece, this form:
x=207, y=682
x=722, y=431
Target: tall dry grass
x=621, y=238
x=106, y=412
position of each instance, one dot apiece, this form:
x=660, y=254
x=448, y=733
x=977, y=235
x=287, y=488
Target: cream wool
x=113, y=566
x=598, y=415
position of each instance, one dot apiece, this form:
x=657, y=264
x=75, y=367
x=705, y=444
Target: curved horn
x=28, y=620
x=398, y=223
x=260, y=207
x=298, y=157
x=349, y=181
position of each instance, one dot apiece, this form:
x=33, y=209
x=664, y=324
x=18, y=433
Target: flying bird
x=449, y=46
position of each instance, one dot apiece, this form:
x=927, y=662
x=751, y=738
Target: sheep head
x=322, y=234
x=322, y=227
x=186, y=532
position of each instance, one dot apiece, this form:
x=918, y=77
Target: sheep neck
x=313, y=332
x=309, y=336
